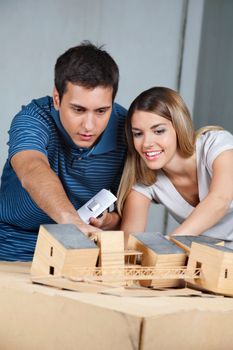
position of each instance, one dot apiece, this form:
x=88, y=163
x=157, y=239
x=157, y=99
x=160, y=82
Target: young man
x=62, y=151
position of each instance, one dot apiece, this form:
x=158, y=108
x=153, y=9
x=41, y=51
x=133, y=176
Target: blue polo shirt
x=83, y=172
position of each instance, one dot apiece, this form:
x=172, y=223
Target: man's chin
x=84, y=144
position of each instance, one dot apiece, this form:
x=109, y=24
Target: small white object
x=96, y=205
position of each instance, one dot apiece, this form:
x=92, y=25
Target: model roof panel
x=69, y=236
x=157, y=242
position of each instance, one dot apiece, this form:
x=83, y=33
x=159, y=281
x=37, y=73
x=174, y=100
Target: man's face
x=84, y=113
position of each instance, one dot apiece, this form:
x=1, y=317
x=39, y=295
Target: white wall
x=213, y=101
x=144, y=37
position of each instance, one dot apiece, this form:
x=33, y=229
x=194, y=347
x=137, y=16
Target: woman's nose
x=148, y=142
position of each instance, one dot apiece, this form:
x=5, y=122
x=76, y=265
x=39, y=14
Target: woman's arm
x=135, y=214
x=216, y=204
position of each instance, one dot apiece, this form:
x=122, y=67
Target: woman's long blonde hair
x=166, y=103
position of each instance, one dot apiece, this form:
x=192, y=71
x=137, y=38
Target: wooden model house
x=158, y=252
x=60, y=248
x=216, y=264
x=185, y=242
x=111, y=244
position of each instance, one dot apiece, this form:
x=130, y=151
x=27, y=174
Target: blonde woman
x=190, y=174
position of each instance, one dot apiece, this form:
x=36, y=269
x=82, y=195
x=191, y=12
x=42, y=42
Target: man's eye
x=78, y=110
x=101, y=111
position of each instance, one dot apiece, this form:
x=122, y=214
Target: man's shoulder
x=38, y=110
x=39, y=104
x=36, y=114
x=119, y=110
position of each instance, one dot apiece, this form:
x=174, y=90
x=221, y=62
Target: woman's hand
x=100, y=221
x=107, y=221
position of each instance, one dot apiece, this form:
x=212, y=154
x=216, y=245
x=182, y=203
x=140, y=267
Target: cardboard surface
x=39, y=317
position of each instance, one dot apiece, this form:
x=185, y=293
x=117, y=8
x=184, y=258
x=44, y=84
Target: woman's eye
x=159, y=131
x=136, y=134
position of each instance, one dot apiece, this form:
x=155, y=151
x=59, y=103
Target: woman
x=191, y=175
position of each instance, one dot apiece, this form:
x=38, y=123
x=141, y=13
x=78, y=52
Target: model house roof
x=69, y=236
x=218, y=247
x=157, y=242
x=188, y=240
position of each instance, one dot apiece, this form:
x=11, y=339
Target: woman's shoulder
x=211, y=143
x=215, y=137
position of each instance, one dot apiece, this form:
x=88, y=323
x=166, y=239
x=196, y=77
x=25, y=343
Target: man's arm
x=216, y=204
x=45, y=188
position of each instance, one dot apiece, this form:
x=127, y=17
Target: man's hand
x=73, y=218
x=89, y=230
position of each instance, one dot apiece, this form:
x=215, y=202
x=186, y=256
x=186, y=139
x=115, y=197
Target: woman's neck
x=181, y=167
x=183, y=175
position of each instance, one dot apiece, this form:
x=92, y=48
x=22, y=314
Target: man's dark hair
x=86, y=65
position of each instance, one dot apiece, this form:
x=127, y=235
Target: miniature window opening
x=51, y=270
x=132, y=257
x=51, y=251
x=226, y=273
x=198, y=266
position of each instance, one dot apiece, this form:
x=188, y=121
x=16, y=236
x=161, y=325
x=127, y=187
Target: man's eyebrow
x=104, y=107
x=85, y=108
x=77, y=105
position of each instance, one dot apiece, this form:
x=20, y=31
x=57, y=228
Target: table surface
x=17, y=276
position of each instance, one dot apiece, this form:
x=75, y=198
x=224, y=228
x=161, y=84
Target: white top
x=208, y=147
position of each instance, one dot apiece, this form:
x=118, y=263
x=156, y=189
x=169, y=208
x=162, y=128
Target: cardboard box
x=35, y=317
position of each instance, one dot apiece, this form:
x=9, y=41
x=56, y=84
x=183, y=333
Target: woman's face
x=154, y=139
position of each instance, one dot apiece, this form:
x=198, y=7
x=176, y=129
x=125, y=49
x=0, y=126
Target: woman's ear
x=56, y=99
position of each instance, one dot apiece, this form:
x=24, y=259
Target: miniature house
x=61, y=248
x=158, y=252
x=185, y=242
x=216, y=264
x=111, y=244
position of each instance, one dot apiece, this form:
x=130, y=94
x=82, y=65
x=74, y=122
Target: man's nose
x=88, y=122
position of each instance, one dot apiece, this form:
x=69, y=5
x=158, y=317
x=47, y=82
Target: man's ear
x=56, y=99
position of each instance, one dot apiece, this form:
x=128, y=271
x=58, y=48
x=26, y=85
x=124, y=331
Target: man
x=62, y=151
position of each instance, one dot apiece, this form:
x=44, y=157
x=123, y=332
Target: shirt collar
x=107, y=141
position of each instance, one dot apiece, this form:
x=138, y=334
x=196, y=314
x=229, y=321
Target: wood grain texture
x=159, y=252
x=52, y=257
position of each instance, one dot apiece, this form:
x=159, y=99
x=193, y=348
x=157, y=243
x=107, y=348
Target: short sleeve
x=145, y=190
x=28, y=131
x=214, y=143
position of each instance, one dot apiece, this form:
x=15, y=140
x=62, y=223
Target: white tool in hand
x=96, y=205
